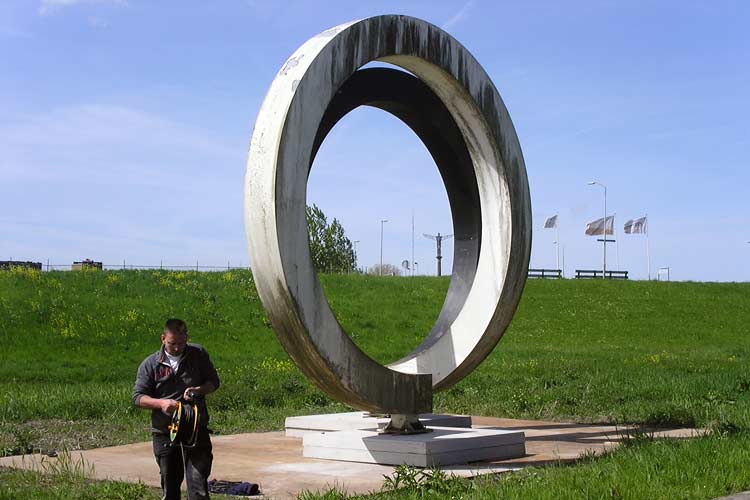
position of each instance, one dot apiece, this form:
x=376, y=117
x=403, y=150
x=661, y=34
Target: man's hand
x=167, y=406
x=190, y=392
x=201, y=390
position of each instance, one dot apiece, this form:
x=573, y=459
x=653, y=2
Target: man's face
x=174, y=343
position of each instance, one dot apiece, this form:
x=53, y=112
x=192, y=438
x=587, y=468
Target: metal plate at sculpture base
x=444, y=446
x=358, y=420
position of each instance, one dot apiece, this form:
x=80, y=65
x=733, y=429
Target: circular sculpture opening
x=451, y=104
x=371, y=166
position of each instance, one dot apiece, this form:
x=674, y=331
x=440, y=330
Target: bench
x=545, y=273
x=597, y=273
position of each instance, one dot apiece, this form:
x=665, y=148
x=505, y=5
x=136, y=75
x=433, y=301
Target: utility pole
x=438, y=239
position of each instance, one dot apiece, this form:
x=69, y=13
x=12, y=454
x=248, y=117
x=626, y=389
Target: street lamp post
x=382, y=221
x=604, y=242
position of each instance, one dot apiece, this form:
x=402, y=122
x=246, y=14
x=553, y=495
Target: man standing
x=177, y=371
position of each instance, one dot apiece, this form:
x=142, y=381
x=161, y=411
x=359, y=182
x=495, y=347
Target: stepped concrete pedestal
x=440, y=447
x=359, y=420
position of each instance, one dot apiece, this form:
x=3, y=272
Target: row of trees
x=331, y=250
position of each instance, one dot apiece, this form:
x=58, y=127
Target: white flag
x=597, y=227
x=636, y=226
x=551, y=222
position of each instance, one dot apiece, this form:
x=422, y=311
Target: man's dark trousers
x=198, y=466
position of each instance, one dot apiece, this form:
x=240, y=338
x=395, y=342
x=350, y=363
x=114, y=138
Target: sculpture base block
x=359, y=420
x=443, y=446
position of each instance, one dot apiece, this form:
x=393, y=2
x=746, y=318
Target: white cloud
x=48, y=7
x=11, y=32
x=112, y=182
x=458, y=16
x=92, y=126
x=97, y=22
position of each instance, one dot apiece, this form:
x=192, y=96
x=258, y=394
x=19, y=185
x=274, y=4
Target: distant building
x=6, y=265
x=86, y=264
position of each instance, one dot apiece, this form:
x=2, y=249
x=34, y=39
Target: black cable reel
x=187, y=419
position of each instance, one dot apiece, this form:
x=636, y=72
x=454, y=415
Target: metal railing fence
x=149, y=267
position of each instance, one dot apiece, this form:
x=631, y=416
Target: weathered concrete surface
x=276, y=462
x=280, y=154
x=358, y=420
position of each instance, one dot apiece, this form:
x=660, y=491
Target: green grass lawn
x=672, y=354
x=695, y=469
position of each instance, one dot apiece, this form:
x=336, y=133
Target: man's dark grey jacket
x=157, y=379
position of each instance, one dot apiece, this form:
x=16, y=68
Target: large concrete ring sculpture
x=452, y=105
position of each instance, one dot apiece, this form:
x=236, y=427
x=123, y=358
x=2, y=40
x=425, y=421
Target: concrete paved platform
x=276, y=462
x=359, y=420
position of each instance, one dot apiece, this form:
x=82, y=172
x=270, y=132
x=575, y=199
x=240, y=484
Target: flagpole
x=604, y=240
x=648, y=252
x=604, y=243
x=557, y=240
x=562, y=271
x=617, y=243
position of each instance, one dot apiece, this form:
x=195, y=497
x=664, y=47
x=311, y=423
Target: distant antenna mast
x=438, y=238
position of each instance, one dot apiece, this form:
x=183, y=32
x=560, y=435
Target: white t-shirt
x=174, y=361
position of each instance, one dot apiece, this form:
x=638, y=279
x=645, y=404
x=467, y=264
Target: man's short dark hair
x=176, y=326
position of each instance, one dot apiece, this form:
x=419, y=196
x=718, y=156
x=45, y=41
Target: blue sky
x=125, y=124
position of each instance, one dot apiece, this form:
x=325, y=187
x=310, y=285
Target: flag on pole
x=636, y=226
x=600, y=226
x=551, y=222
